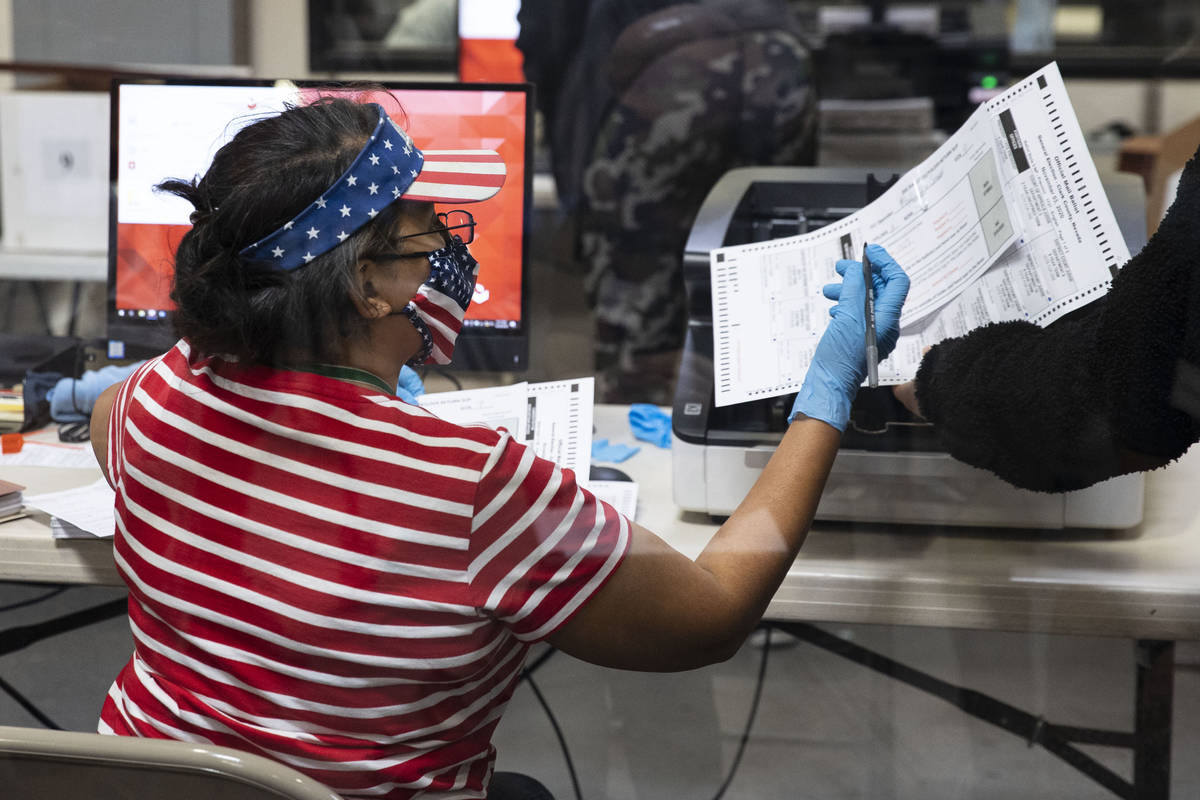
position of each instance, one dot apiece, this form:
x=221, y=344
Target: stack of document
x=12, y=410
x=86, y=512
x=11, y=500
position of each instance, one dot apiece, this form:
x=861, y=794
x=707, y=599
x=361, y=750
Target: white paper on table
x=553, y=418
x=1014, y=187
x=61, y=529
x=559, y=417
x=12, y=498
x=51, y=454
x=621, y=495
x=493, y=406
x=88, y=508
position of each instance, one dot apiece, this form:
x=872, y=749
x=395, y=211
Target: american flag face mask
x=437, y=309
x=388, y=168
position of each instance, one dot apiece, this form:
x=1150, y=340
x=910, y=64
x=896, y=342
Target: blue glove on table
x=615, y=452
x=409, y=387
x=840, y=362
x=650, y=424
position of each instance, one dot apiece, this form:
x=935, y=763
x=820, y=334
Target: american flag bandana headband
x=389, y=167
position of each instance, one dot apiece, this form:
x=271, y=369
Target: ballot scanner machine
x=890, y=467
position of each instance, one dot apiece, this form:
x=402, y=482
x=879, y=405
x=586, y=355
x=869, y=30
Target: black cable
x=30, y=601
x=36, y=288
x=24, y=703
x=758, y=687
x=542, y=659
x=562, y=742
x=76, y=291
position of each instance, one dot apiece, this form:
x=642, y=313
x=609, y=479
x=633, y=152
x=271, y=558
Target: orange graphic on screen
x=494, y=60
x=146, y=264
x=436, y=119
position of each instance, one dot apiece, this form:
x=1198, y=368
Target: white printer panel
x=906, y=488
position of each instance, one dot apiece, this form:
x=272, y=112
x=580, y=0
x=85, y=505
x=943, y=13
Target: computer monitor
x=381, y=36
x=172, y=129
x=487, y=41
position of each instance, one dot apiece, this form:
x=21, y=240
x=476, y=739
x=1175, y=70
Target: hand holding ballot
x=1110, y=390
x=839, y=363
x=1007, y=220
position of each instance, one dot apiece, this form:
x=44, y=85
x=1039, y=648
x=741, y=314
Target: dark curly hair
x=264, y=176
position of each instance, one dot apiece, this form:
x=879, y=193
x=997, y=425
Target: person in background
x=324, y=574
x=1113, y=388
x=646, y=107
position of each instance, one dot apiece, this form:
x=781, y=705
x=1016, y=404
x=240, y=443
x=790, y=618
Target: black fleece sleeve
x=1062, y=407
x=1023, y=401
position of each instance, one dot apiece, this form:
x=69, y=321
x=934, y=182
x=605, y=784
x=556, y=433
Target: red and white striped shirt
x=325, y=575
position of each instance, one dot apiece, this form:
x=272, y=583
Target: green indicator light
x=989, y=82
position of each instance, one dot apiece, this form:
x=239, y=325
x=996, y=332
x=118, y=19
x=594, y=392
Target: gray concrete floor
x=826, y=729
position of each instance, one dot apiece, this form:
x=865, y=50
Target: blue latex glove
x=650, y=424
x=840, y=362
x=616, y=453
x=72, y=400
x=409, y=387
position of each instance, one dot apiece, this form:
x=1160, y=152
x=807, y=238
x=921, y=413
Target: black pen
x=869, y=314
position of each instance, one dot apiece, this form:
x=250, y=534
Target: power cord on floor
x=758, y=687
x=527, y=675
x=536, y=665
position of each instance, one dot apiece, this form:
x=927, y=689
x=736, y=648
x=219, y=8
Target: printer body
x=890, y=466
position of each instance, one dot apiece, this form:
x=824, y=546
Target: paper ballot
x=553, y=418
x=83, y=512
x=1006, y=220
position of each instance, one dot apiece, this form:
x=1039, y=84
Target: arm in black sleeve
x=1088, y=397
x=1024, y=402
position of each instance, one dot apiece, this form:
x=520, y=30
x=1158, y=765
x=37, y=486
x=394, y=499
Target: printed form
x=553, y=418
x=1006, y=220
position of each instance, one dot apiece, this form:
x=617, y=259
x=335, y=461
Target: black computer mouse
x=598, y=473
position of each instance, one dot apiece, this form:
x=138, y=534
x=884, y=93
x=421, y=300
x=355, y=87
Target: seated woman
x=324, y=574
x=1114, y=388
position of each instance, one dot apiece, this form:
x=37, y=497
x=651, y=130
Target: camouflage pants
x=639, y=329
x=679, y=125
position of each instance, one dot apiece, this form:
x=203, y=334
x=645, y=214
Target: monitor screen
x=487, y=41
x=172, y=129
x=382, y=36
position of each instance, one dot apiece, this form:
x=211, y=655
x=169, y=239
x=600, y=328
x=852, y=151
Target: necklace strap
x=351, y=374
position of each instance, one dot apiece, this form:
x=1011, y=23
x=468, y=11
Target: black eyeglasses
x=457, y=223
